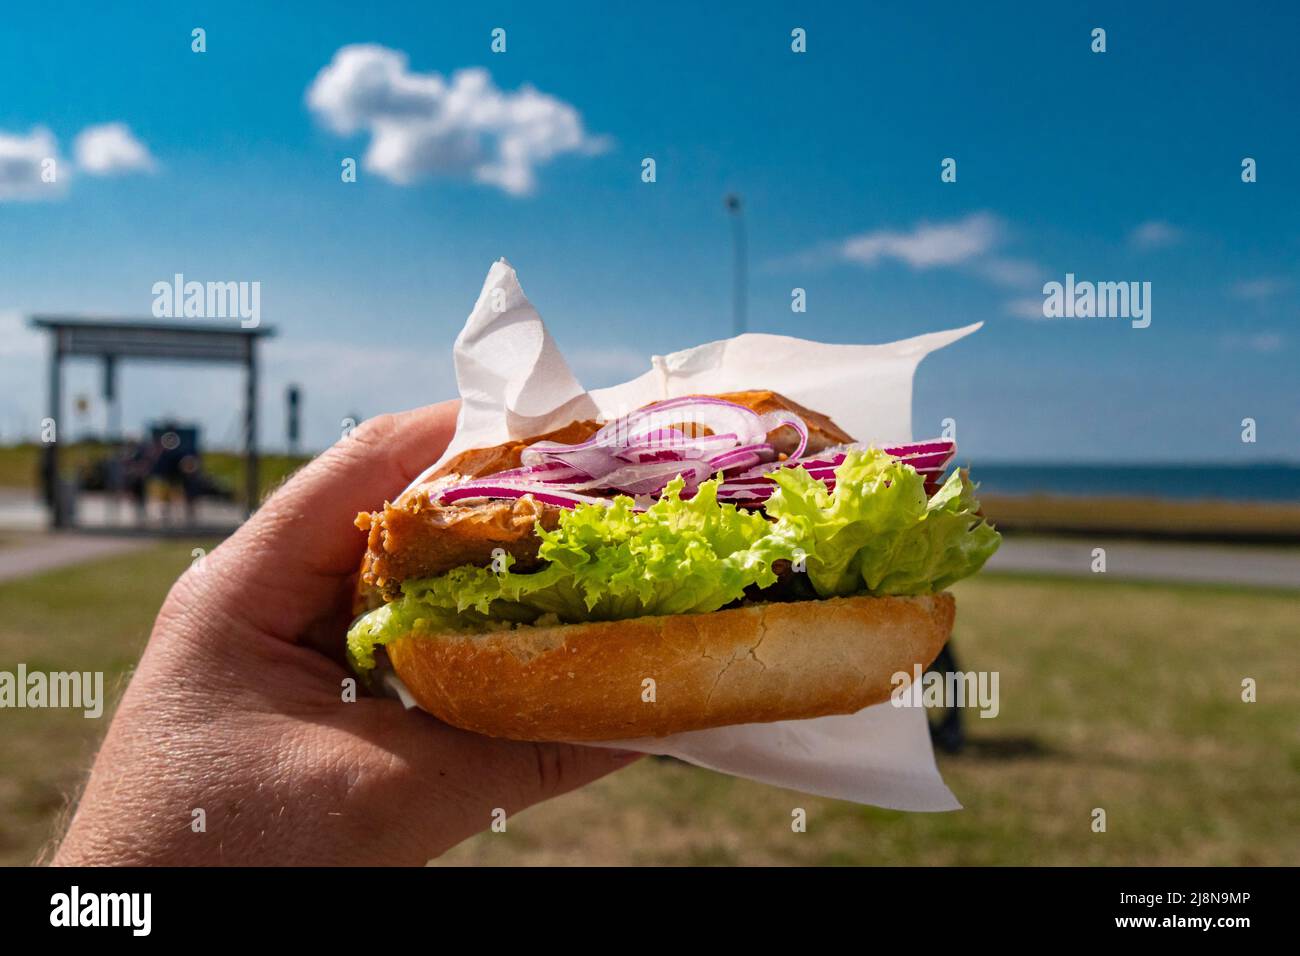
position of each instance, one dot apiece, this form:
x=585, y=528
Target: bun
x=757, y=663
x=479, y=462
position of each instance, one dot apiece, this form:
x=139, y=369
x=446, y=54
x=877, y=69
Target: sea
x=1264, y=482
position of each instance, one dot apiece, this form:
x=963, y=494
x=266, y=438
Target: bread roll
x=757, y=663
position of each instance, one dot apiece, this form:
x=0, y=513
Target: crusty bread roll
x=750, y=664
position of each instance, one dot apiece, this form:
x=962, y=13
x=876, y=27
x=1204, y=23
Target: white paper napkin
x=514, y=383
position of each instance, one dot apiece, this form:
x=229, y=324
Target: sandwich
x=700, y=562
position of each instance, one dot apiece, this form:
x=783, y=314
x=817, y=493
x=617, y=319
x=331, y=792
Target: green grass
x=93, y=618
x=19, y=466
x=1262, y=521
x=1114, y=695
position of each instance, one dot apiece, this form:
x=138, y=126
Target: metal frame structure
x=113, y=340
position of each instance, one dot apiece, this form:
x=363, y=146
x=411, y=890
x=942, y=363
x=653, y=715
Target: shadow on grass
x=1004, y=748
x=1029, y=748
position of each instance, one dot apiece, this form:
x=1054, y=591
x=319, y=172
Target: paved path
x=1202, y=563
x=27, y=554
x=21, y=509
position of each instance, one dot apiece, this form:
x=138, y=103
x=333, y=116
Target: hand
x=235, y=711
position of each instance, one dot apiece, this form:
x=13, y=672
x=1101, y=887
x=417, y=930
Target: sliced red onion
x=587, y=458
x=825, y=459
x=675, y=438
x=658, y=438
x=546, y=494
x=590, y=461
x=773, y=421
x=664, y=435
x=760, y=473
x=755, y=494
x=596, y=456
x=640, y=453
x=753, y=487
x=933, y=446
x=920, y=455
x=925, y=462
x=648, y=478
x=642, y=457
x=718, y=416
x=659, y=444
x=733, y=460
x=742, y=457
x=928, y=447
x=548, y=472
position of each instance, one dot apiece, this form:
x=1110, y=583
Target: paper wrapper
x=515, y=383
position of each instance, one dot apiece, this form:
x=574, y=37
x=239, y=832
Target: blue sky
x=1118, y=166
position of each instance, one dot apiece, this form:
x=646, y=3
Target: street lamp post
x=735, y=208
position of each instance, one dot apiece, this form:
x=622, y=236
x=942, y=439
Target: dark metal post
x=113, y=438
x=52, y=490
x=114, y=422
x=735, y=207
x=250, y=426
x=293, y=396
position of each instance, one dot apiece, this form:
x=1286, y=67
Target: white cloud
x=422, y=124
x=1154, y=235
x=928, y=244
x=18, y=340
x=1026, y=308
x=22, y=369
x=1258, y=289
x=970, y=244
x=22, y=163
x=1007, y=271
x=1262, y=342
x=111, y=150
x=1265, y=342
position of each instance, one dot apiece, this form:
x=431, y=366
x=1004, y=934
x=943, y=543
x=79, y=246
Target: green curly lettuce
x=876, y=533
x=600, y=563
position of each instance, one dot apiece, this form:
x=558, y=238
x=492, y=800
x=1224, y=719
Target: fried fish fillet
x=417, y=537
x=420, y=538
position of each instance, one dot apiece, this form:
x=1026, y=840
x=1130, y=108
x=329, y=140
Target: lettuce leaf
x=876, y=533
x=601, y=564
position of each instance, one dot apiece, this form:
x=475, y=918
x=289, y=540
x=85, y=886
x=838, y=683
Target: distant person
x=191, y=481
x=138, y=464
x=178, y=467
